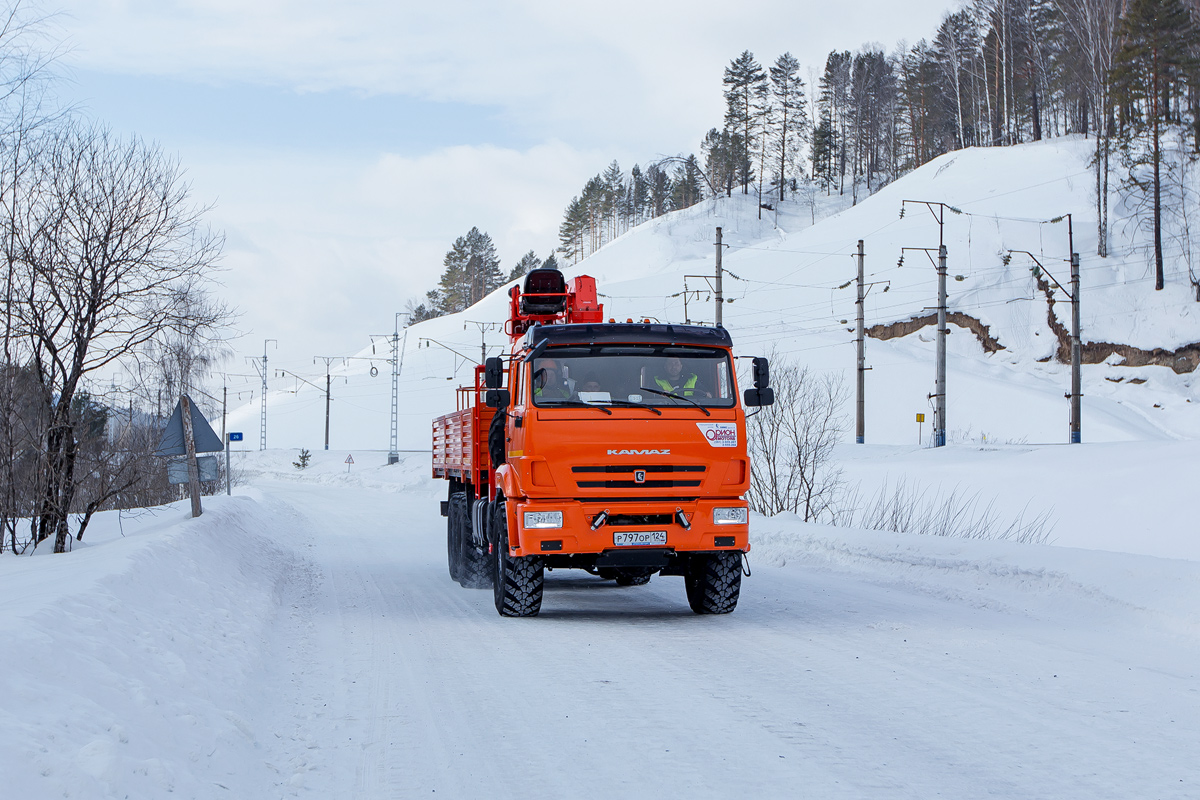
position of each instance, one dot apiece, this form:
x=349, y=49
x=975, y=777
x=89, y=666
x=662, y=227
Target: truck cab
x=616, y=448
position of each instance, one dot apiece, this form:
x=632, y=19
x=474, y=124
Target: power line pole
x=860, y=403
x=719, y=296
x=939, y=391
x=262, y=369
x=1076, y=342
x=328, y=381
x=483, y=327
x=397, y=364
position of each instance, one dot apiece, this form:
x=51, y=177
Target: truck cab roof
x=627, y=333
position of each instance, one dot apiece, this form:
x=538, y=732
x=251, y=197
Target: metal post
x=939, y=423
x=720, y=296
x=327, y=407
x=397, y=363
x=225, y=438
x=860, y=404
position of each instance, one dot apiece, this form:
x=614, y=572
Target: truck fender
x=506, y=480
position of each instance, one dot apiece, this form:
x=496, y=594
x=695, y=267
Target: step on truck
x=616, y=448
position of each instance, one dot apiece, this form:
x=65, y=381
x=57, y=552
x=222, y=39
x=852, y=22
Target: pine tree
x=1159, y=37
x=745, y=84
x=787, y=90
x=471, y=272
x=528, y=261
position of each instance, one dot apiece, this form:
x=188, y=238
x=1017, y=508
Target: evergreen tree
x=745, y=92
x=471, y=272
x=686, y=190
x=1158, y=52
x=550, y=263
x=528, y=261
x=787, y=90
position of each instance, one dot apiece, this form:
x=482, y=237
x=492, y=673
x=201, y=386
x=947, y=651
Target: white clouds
x=603, y=72
x=322, y=251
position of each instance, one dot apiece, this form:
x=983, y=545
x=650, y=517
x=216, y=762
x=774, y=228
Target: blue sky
x=186, y=113
x=343, y=146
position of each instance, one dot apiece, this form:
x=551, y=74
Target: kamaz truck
x=618, y=448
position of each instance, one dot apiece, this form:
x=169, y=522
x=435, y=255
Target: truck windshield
x=649, y=375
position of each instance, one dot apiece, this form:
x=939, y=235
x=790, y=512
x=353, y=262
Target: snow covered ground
x=302, y=639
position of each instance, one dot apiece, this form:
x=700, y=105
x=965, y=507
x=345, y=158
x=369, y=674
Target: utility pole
x=860, y=401
x=1076, y=342
x=483, y=327
x=1076, y=392
x=719, y=296
x=262, y=369
x=328, y=381
x=939, y=391
x=397, y=364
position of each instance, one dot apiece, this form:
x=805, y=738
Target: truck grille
x=626, y=479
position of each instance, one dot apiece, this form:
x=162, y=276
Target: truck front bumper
x=630, y=526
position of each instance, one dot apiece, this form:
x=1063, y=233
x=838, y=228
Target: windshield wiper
x=574, y=404
x=707, y=413
x=632, y=404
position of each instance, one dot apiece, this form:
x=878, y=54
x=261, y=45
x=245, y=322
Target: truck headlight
x=731, y=516
x=543, y=519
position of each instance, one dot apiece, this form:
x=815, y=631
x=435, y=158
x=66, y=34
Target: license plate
x=627, y=538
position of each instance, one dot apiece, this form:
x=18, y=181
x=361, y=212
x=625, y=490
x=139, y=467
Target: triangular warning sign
x=172, y=443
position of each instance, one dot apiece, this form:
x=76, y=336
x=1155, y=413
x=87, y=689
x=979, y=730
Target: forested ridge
x=1123, y=73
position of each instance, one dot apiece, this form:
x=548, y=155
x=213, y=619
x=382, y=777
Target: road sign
x=349, y=461
x=235, y=436
x=920, y=417
x=206, y=438
x=177, y=471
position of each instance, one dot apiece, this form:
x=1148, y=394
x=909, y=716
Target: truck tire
x=713, y=582
x=516, y=582
x=453, y=543
x=474, y=565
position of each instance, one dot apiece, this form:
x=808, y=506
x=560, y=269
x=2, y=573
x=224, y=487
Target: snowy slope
x=302, y=639
x=783, y=288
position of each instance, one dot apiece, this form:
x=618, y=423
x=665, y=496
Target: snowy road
x=863, y=670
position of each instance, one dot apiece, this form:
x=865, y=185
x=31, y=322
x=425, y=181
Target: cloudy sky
x=343, y=146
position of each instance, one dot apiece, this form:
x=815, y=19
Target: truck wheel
x=713, y=582
x=632, y=577
x=474, y=566
x=516, y=582
x=453, y=545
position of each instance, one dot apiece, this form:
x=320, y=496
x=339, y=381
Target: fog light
x=543, y=519
x=731, y=516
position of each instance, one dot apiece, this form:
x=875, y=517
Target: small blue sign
x=235, y=437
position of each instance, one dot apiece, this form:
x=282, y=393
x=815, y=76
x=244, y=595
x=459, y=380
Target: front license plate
x=627, y=538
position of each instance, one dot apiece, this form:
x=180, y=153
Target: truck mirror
x=759, y=397
x=762, y=374
x=497, y=398
x=493, y=373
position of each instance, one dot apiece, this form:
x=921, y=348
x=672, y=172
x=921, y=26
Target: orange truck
x=616, y=448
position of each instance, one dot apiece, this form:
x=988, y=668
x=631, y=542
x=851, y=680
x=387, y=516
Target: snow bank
x=128, y=666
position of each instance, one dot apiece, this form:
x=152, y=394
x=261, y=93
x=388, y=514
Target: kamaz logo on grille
x=639, y=452
x=639, y=476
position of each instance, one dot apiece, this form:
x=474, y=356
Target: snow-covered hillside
x=784, y=296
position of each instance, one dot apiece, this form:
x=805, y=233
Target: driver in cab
x=548, y=383
x=674, y=379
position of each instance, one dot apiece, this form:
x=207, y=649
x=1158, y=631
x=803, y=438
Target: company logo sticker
x=639, y=452
x=639, y=476
x=719, y=434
